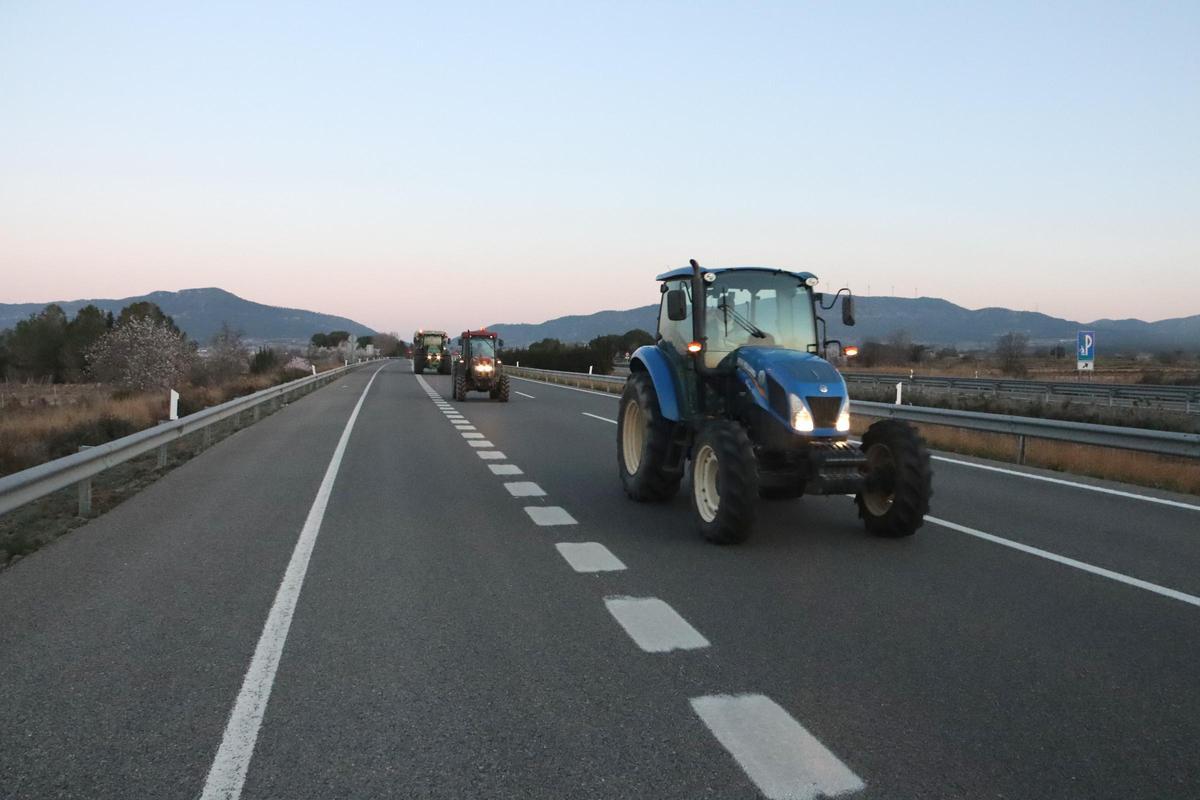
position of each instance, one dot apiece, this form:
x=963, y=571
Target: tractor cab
x=737, y=385
x=478, y=367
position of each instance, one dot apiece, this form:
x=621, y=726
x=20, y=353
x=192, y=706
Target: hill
x=929, y=320
x=200, y=312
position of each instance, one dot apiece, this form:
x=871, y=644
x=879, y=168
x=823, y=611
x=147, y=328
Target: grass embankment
x=39, y=423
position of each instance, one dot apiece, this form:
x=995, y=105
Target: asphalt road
x=392, y=608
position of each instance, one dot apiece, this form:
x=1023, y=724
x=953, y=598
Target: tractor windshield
x=483, y=348
x=433, y=341
x=752, y=308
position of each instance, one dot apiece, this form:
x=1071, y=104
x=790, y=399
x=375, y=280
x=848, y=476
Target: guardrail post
x=85, y=490
x=207, y=436
x=257, y=412
x=1020, y=449
x=162, y=449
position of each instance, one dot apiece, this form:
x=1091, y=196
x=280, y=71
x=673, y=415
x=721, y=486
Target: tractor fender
x=651, y=359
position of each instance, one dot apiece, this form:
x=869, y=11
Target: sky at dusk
x=452, y=164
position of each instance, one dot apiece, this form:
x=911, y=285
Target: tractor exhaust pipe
x=699, y=323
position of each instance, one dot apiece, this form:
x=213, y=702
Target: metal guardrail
x=1182, y=398
x=31, y=484
x=1139, y=439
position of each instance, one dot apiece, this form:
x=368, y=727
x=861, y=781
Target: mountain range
x=928, y=320
x=200, y=312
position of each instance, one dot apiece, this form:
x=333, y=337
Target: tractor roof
x=684, y=272
x=431, y=333
x=479, y=334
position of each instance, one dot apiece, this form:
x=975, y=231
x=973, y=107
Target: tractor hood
x=776, y=374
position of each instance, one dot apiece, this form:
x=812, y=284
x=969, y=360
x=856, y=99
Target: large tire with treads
x=644, y=443
x=418, y=364
x=444, y=365
x=899, y=480
x=724, y=482
x=460, y=387
x=502, y=389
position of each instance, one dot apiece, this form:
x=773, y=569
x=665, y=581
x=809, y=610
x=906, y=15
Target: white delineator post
x=174, y=413
x=899, y=389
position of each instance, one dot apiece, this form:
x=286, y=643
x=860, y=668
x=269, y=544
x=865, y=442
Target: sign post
x=1085, y=351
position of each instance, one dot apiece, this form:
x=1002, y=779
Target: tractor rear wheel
x=502, y=389
x=644, y=461
x=899, y=480
x=724, y=482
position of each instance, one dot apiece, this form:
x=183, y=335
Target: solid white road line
x=653, y=625
x=505, y=469
x=228, y=772
x=469, y=435
x=572, y=388
x=531, y=397
x=524, y=489
x=1070, y=562
x=1074, y=484
x=597, y=416
x=492, y=455
x=549, y=515
x=783, y=759
x=589, y=557
x=480, y=443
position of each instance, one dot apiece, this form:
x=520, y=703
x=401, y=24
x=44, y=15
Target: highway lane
x=996, y=671
x=443, y=645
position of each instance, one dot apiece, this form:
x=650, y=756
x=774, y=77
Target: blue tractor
x=736, y=387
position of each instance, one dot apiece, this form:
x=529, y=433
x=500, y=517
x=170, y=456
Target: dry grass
x=39, y=423
x=1143, y=469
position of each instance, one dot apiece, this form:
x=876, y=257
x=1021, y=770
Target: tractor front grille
x=824, y=410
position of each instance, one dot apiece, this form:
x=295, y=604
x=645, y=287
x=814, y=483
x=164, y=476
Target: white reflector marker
x=589, y=557
x=653, y=625
x=549, y=515
x=784, y=760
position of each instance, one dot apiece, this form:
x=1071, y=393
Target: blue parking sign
x=1085, y=350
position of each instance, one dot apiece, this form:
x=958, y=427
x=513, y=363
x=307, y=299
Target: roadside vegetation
x=597, y=355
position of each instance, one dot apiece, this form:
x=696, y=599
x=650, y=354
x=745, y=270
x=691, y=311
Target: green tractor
x=431, y=349
x=737, y=389
x=478, y=367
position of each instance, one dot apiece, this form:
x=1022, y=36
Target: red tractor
x=478, y=367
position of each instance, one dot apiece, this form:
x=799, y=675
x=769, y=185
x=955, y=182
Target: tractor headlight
x=802, y=419
x=483, y=367
x=843, y=420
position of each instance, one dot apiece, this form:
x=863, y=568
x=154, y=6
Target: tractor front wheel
x=644, y=436
x=502, y=389
x=724, y=482
x=444, y=366
x=419, y=364
x=460, y=388
x=899, y=480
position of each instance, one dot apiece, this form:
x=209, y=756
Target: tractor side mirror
x=676, y=305
x=500, y=343
x=848, y=310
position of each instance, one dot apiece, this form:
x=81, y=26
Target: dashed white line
x=597, y=416
x=653, y=625
x=464, y=426
x=505, y=469
x=589, y=557
x=227, y=774
x=1070, y=562
x=531, y=397
x=470, y=435
x=492, y=455
x=480, y=443
x=524, y=489
x=784, y=760
x=549, y=515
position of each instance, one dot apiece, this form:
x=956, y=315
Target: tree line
x=597, y=355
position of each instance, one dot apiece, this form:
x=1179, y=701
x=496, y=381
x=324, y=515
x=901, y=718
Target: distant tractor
x=478, y=367
x=431, y=349
x=736, y=386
